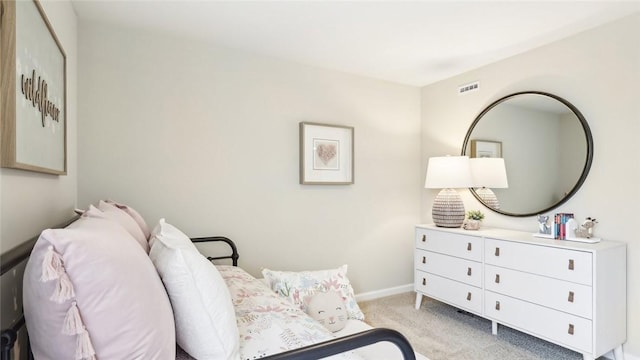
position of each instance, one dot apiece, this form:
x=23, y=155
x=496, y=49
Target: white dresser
x=569, y=293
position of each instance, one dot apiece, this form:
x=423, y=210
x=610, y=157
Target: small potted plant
x=474, y=219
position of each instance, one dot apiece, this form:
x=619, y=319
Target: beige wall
x=29, y=201
x=598, y=72
x=208, y=138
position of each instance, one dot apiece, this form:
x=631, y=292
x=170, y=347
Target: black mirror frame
x=587, y=164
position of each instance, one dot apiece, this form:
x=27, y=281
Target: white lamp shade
x=448, y=172
x=489, y=172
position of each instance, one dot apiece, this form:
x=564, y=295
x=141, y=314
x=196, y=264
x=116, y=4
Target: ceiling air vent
x=467, y=88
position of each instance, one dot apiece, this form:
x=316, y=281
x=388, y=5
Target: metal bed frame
x=21, y=253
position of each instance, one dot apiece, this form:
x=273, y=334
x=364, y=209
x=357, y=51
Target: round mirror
x=547, y=149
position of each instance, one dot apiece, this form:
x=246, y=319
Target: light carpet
x=440, y=331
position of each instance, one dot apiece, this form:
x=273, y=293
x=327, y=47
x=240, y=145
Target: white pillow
x=205, y=319
x=302, y=285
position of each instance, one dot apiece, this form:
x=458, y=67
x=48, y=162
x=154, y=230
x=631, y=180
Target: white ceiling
x=415, y=43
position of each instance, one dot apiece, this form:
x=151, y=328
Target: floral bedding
x=267, y=323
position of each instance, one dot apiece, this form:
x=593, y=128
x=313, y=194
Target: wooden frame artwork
x=33, y=90
x=486, y=149
x=326, y=154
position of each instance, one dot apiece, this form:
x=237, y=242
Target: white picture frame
x=486, y=149
x=326, y=154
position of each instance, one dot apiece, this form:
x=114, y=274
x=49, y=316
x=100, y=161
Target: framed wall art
x=326, y=154
x=486, y=149
x=33, y=91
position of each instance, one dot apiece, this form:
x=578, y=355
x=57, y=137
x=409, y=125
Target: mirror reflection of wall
x=544, y=147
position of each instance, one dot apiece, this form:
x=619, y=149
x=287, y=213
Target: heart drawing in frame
x=326, y=154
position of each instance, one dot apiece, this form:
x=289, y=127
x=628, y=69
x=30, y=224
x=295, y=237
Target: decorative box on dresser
x=569, y=293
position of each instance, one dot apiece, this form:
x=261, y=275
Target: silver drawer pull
x=424, y=281
x=424, y=238
x=571, y=266
x=497, y=253
x=570, y=331
x=424, y=259
x=570, y=299
x=469, y=296
x=468, y=271
x=497, y=278
x=468, y=246
x=498, y=305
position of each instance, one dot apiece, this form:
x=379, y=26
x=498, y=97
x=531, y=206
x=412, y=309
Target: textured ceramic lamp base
x=448, y=209
x=488, y=197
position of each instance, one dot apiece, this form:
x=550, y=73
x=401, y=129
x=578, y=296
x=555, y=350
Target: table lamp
x=448, y=173
x=489, y=173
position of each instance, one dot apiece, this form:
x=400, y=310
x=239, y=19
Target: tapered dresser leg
x=418, y=300
x=618, y=354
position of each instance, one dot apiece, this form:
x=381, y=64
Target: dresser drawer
x=557, y=294
x=459, y=245
x=452, y=292
x=564, y=329
x=466, y=271
x=570, y=265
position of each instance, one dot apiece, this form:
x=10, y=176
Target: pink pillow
x=111, y=212
x=90, y=291
x=135, y=215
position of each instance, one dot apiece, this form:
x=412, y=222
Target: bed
x=55, y=292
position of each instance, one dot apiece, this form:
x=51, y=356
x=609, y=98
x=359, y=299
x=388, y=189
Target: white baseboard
x=372, y=295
